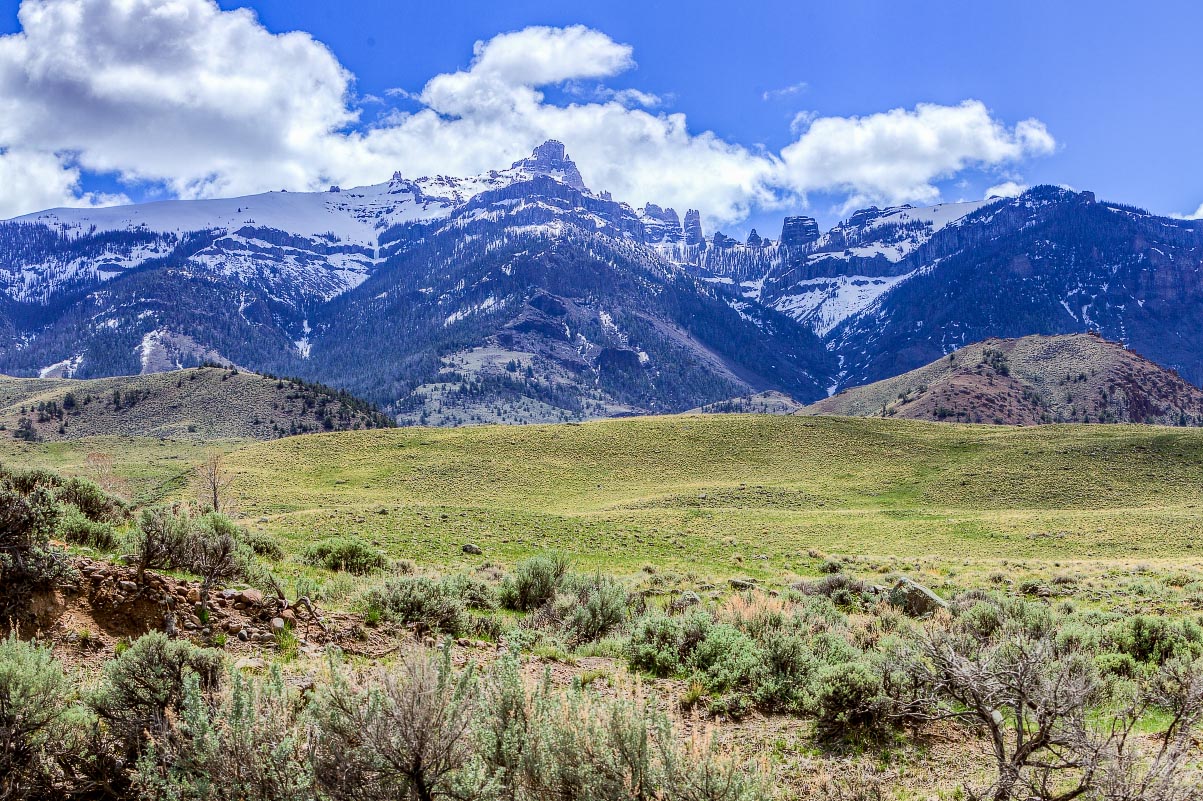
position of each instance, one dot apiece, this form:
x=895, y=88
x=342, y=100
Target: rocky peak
x=797, y=232
x=551, y=159
x=722, y=241
x=660, y=225
x=754, y=240
x=694, y=237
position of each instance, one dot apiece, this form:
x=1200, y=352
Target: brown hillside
x=199, y=403
x=1077, y=378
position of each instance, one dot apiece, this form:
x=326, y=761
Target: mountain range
x=522, y=295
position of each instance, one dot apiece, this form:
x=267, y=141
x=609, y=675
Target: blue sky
x=1117, y=88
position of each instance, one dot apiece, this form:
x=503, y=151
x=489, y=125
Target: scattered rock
x=193, y=595
x=473, y=550
x=277, y=625
x=251, y=597
x=741, y=584
x=915, y=599
x=250, y=663
x=127, y=586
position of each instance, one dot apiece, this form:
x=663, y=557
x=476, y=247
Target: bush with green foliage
x=432, y=605
x=249, y=742
x=142, y=687
x=261, y=544
x=78, y=529
x=534, y=582
x=349, y=554
x=1156, y=640
x=848, y=696
x=34, y=696
x=591, y=608
x=657, y=644
x=28, y=562
x=727, y=660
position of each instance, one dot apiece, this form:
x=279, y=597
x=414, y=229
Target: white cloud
x=897, y=156
x=1006, y=189
x=785, y=91
x=1198, y=215
x=177, y=91
x=209, y=103
x=33, y=180
x=801, y=121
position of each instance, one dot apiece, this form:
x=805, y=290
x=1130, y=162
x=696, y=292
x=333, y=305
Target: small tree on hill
x=216, y=482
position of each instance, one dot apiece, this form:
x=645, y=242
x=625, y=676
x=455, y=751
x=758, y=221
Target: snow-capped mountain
x=891, y=289
x=418, y=294
x=521, y=294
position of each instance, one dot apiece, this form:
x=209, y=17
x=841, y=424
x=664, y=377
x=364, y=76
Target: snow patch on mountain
x=824, y=303
x=67, y=368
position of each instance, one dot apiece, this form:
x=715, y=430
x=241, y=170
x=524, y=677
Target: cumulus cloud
x=1198, y=215
x=174, y=91
x=1006, y=189
x=33, y=180
x=208, y=102
x=897, y=156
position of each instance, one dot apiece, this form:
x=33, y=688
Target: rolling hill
x=710, y=495
x=201, y=403
x=1034, y=379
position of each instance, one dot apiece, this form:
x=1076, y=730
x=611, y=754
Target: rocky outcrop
x=661, y=225
x=551, y=159
x=754, y=240
x=694, y=237
x=723, y=242
x=798, y=232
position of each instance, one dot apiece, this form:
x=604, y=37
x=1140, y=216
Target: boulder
x=915, y=599
x=277, y=625
x=251, y=597
x=472, y=550
x=742, y=584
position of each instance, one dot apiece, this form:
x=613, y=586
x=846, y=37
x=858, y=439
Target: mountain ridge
x=521, y=295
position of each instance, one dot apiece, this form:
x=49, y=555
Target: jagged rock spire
x=551, y=159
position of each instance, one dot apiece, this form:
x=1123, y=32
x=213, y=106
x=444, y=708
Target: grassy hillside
x=705, y=494
x=1035, y=379
x=204, y=403
x=715, y=494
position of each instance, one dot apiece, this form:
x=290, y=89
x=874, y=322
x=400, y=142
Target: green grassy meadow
x=708, y=495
